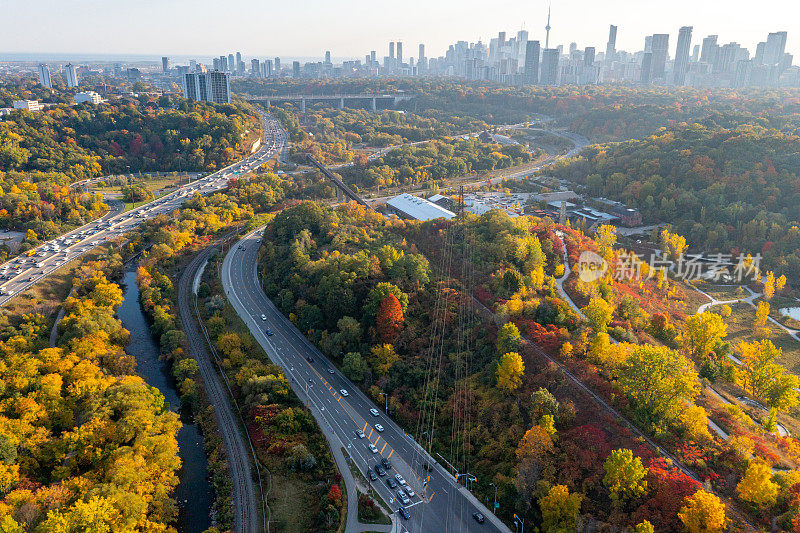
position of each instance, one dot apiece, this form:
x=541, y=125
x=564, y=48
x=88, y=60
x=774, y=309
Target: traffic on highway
x=416, y=486
x=19, y=274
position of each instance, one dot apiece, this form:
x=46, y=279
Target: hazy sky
x=351, y=28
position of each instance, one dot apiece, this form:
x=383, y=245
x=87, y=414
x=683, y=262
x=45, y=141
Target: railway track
x=245, y=493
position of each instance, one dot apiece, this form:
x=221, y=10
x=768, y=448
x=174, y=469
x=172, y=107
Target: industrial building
x=414, y=207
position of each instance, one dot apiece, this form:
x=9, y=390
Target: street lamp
x=386, y=397
x=495, y=496
x=521, y=521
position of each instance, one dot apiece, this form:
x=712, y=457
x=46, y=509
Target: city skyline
x=310, y=31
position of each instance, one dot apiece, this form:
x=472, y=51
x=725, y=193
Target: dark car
x=404, y=513
x=479, y=518
x=386, y=464
x=379, y=469
x=372, y=475
x=310, y=359
x=269, y=332
x=392, y=483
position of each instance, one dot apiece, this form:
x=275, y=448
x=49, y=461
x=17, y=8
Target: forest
x=85, y=445
x=729, y=190
x=88, y=140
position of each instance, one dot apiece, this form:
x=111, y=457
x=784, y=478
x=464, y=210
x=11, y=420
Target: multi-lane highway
x=20, y=273
x=435, y=502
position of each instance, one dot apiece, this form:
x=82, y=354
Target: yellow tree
x=762, y=312
x=605, y=237
x=703, y=331
x=757, y=486
x=769, y=285
x=673, y=244
x=559, y=509
x=625, y=475
x=599, y=313
x=510, y=371
x=703, y=512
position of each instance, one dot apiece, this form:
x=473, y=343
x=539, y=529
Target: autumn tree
x=625, y=475
x=508, y=339
x=510, y=371
x=389, y=319
x=757, y=486
x=672, y=244
x=383, y=357
x=599, y=313
x=769, y=285
x=354, y=366
x=762, y=313
x=703, y=512
x=659, y=381
x=606, y=237
x=703, y=332
x=764, y=377
x=559, y=509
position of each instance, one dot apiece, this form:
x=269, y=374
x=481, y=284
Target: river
x=194, y=493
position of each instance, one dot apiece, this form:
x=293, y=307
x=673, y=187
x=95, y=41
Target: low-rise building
x=409, y=206
x=30, y=105
x=88, y=96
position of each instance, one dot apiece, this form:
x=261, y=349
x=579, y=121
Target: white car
x=409, y=490
x=372, y=448
x=374, y=412
x=263, y=317
x=379, y=428
x=344, y=392
x=400, y=479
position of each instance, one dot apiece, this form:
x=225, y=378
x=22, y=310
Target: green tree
x=599, y=313
x=508, y=339
x=354, y=366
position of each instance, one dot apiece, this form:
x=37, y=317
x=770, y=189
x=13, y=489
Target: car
x=344, y=392
x=374, y=412
x=379, y=469
x=268, y=332
x=426, y=466
x=360, y=434
x=379, y=428
x=371, y=474
x=263, y=317
x=402, y=497
x=330, y=371
x=400, y=479
x=391, y=483
x=372, y=448
x=310, y=359
x=386, y=464
x=409, y=490
x=404, y=513
x=479, y=518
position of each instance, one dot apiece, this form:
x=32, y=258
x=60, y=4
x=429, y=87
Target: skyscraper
x=327, y=57
x=44, y=76
x=400, y=53
x=611, y=47
x=211, y=86
x=165, y=64
x=708, y=53
x=223, y=63
x=549, y=75
x=647, y=67
x=277, y=66
x=682, y=55
x=588, y=56
x=239, y=64
x=660, y=52
x=255, y=68
x=70, y=76
x=295, y=69
x=775, y=48
x=391, y=51
x=231, y=64
x=532, y=50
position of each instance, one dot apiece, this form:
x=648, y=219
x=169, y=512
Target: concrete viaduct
x=341, y=98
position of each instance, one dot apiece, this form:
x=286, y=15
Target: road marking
x=384, y=447
x=432, y=495
x=365, y=427
x=390, y=454
x=370, y=434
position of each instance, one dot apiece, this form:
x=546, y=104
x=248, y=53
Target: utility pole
x=495, y=496
x=521, y=521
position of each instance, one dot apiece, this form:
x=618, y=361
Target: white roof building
x=409, y=206
x=88, y=96
x=30, y=105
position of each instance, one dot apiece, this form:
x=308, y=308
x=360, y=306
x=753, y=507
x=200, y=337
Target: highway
x=343, y=411
x=19, y=274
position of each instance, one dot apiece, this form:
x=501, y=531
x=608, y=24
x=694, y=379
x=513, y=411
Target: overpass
x=341, y=188
x=341, y=99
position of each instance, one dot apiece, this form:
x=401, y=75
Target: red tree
x=335, y=494
x=390, y=318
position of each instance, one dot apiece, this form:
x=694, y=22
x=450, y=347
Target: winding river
x=194, y=493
